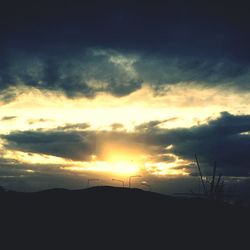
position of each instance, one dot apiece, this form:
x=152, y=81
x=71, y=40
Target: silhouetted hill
x=104, y=215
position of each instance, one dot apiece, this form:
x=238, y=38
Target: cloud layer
x=91, y=47
x=224, y=140
x=91, y=71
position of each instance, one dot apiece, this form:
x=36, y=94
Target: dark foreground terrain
x=108, y=217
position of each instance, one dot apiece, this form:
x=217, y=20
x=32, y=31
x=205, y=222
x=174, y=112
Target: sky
x=102, y=90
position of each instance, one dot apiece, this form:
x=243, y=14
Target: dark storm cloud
x=86, y=72
x=225, y=140
x=210, y=29
x=67, y=144
x=120, y=73
x=161, y=71
x=46, y=45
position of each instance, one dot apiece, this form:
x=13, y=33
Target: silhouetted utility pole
x=130, y=178
x=119, y=181
x=211, y=191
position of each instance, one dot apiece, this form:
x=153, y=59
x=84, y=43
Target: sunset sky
x=108, y=90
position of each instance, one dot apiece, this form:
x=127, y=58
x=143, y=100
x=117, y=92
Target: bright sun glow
x=123, y=159
x=123, y=164
x=114, y=158
x=120, y=168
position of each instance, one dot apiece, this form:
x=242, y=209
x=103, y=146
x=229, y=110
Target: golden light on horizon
x=178, y=167
x=104, y=110
x=117, y=160
x=116, y=168
x=114, y=158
